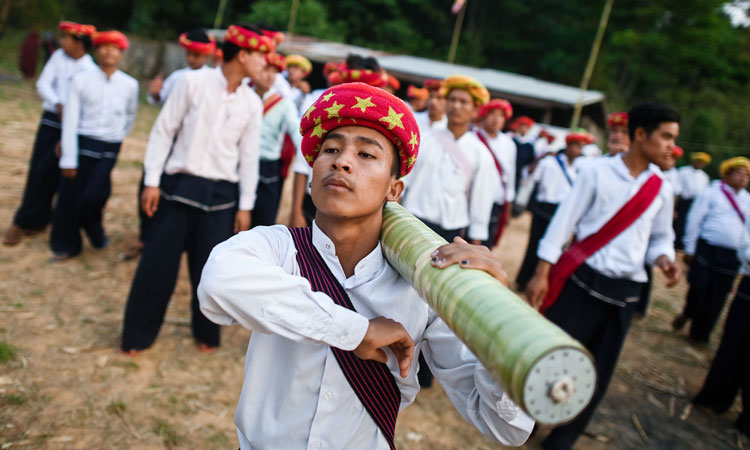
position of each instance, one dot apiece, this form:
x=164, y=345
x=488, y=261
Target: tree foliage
x=683, y=52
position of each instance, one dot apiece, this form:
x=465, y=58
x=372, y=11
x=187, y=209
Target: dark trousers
x=642, y=306
x=495, y=218
x=308, y=209
x=174, y=228
x=43, y=177
x=682, y=207
x=448, y=235
x=711, y=276
x=601, y=327
x=268, y=193
x=81, y=200
x=542, y=215
x=730, y=370
x=143, y=219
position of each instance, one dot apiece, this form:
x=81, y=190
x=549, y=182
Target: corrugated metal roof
x=510, y=85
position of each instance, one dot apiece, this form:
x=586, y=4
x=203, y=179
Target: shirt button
x=328, y=246
x=343, y=337
x=315, y=444
x=328, y=396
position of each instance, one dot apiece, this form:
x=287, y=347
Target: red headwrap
x=677, y=152
x=77, y=29
x=330, y=67
x=111, y=37
x=334, y=78
x=546, y=134
x=202, y=48
x=248, y=39
x=367, y=76
x=276, y=60
x=393, y=82
x=418, y=93
x=496, y=103
x=433, y=84
x=617, y=119
x=276, y=36
x=523, y=120
x=366, y=106
x=581, y=135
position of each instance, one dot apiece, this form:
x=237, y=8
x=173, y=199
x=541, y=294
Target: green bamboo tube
x=545, y=371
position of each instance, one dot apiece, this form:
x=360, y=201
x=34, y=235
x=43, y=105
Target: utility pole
x=292, y=18
x=592, y=62
x=457, y=33
x=220, y=14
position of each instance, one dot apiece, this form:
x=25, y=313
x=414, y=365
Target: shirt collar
x=622, y=170
x=364, y=271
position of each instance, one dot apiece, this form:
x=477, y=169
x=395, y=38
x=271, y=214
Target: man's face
x=522, y=129
x=196, y=60
x=574, y=150
x=494, y=121
x=352, y=175
x=436, y=104
x=418, y=104
x=67, y=43
x=296, y=74
x=460, y=107
x=659, y=145
x=618, y=139
x=699, y=164
x=266, y=78
x=108, y=55
x=738, y=178
x=252, y=62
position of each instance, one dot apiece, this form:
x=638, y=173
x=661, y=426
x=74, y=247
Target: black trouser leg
x=528, y=267
x=712, y=301
x=601, y=328
x=143, y=219
x=67, y=219
x=205, y=232
x=268, y=194
x=726, y=374
x=682, y=207
x=642, y=306
x=42, y=181
x=156, y=275
x=95, y=197
x=495, y=217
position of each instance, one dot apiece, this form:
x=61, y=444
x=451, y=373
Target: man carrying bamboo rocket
x=347, y=331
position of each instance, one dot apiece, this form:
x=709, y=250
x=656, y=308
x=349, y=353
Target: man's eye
x=366, y=155
x=330, y=150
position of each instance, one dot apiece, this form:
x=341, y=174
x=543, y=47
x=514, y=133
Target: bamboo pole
x=220, y=14
x=545, y=371
x=292, y=18
x=457, y=33
x=591, y=62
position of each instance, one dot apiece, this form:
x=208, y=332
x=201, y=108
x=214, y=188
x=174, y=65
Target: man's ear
x=640, y=134
x=395, y=190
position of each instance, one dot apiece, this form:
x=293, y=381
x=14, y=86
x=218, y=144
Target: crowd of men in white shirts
x=227, y=133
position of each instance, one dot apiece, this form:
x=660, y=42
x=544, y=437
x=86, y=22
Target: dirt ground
x=67, y=387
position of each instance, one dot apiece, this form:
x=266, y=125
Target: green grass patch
x=7, y=352
x=117, y=407
x=129, y=365
x=166, y=432
x=13, y=399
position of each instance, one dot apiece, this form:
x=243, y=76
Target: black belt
x=607, y=289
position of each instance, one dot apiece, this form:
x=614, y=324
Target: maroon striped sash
x=372, y=381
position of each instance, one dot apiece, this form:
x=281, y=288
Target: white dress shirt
x=436, y=189
x=216, y=133
x=279, y=120
x=744, y=251
x=168, y=84
x=692, y=181
x=55, y=78
x=282, y=86
x=600, y=191
x=99, y=106
x=505, y=151
x=425, y=125
x=672, y=176
x=712, y=218
x=295, y=394
x=552, y=184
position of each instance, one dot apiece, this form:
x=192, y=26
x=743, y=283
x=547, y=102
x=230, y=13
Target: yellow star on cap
x=309, y=158
x=328, y=96
x=310, y=110
x=253, y=42
x=356, y=74
x=392, y=119
x=240, y=38
x=318, y=131
x=333, y=110
x=413, y=142
x=410, y=161
x=364, y=103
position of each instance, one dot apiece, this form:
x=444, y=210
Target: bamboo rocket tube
x=545, y=371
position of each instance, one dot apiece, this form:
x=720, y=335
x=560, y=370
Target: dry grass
x=67, y=386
